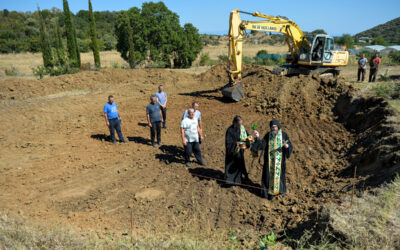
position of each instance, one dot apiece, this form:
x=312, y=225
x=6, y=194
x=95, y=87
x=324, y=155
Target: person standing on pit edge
x=113, y=119
x=362, y=68
x=154, y=118
x=162, y=100
x=374, y=65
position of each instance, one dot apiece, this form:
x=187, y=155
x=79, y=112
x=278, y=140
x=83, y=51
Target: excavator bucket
x=233, y=91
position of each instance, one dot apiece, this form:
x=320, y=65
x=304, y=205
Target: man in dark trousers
x=191, y=135
x=276, y=147
x=362, y=68
x=234, y=156
x=113, y=119
x=162, y=100
x=374, y=65
x=154, y=119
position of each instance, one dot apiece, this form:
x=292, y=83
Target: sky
x=336, y=17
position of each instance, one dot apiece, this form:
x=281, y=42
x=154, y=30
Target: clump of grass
x=205, y=60
x=374, y=220
x=11, y=71
x=386, y=89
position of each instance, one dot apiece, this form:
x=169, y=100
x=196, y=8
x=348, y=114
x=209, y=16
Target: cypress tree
x=73, y=51
x=93, y=35
x=59, y=45
x=131, y=49
x=44, y=43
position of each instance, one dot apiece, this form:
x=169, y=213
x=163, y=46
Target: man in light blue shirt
x=362, y=67
x=113, y=119
x=162, y=100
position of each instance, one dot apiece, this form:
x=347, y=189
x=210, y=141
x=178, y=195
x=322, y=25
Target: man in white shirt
x=191, y=135
x=197, y=113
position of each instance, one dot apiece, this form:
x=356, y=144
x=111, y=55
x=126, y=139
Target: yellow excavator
x=309, y=54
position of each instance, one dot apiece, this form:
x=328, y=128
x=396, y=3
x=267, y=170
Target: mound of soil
x=57, y=164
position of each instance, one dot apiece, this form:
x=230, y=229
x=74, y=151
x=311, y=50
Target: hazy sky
x=211, y=16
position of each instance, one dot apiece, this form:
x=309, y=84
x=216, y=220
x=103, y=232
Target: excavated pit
x=60, y=165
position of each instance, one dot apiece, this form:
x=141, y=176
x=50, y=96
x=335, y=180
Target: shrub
x=262, y=52
x=205, y=60
x=115, y=65
x=222, y=58
x=394, y=57
x=12, y=71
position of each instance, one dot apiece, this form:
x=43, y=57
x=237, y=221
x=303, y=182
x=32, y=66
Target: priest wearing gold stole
x=276, y=148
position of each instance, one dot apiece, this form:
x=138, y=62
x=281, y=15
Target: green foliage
x=394, y=57
x=247, y=60
x=267, y=241
x=93, y=36
x=72, y=43
x=233, y=240
x=153, y=33
x=67, y=68
x=205, y=60
x=254, y=125
x=262, y=52
x=59, y=47
x=319, y=31
x=222, y=58
x=210, y=40
x=44, y=42
x=11, y=71
x=389, y=31
x=347, y=40
x=379, y=41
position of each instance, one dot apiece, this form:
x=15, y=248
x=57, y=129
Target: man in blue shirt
x=154, y=118
x=113, y=119
x=162, y=100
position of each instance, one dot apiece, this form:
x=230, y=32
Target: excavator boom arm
x=293, y=34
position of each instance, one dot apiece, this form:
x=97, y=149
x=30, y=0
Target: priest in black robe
x=276, y=148
x=234, y=159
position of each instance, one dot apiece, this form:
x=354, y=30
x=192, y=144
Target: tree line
x=150, y=35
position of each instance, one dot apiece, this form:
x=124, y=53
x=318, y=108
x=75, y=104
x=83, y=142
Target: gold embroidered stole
x=275, y=162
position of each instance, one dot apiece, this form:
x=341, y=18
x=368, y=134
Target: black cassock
x=262, y=144
x=234, y=161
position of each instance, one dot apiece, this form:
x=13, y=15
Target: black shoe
x=114, y=142
x=164, y=127
x=270, y=197
x=123, y=141
x=188, y=164
x=202, y=163
x=283, y=195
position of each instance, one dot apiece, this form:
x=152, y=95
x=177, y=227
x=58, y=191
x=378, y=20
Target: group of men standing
x=373, y=70
x=275, y=145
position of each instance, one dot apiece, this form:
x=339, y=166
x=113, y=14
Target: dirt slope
x=56, y=163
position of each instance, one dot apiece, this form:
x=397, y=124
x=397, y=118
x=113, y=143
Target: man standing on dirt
x=276, y=148
x=197, y=113
x=154, y=119
x=191, y=134
x=162, y=100
x=362, y=68
x=113, y=119
x=373, y=69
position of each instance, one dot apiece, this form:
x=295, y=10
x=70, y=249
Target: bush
x=394, y=57
x=222, y=58
x=42, y=71
x=205, y=60
x=159, y=64
x=262, y=52
x=115, y=65
x=12, y=71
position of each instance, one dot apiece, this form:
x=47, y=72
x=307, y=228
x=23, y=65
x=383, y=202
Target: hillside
x=390, y=31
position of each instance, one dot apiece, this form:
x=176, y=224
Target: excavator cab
x=316, y=50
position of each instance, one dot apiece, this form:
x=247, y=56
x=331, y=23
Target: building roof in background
x=396, y=47
x=375, y=47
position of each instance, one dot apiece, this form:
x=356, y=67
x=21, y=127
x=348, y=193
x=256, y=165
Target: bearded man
x=276, y=147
